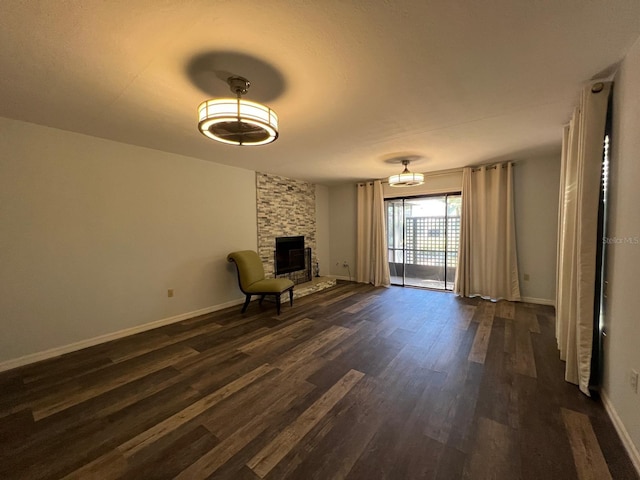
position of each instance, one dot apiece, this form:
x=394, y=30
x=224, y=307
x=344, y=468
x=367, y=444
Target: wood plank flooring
x=354, y=382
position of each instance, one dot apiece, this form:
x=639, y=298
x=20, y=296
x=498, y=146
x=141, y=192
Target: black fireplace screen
x=289, y=254
x=292, y=260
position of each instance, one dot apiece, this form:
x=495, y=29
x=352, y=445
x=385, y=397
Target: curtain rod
x=490, y=166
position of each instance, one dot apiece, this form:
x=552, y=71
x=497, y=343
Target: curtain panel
x=487, y=259
x=372, y=262
x=582, y=152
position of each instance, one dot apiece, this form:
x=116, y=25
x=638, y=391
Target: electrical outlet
x=345, y=264
x=170, y=292
x=633, y=381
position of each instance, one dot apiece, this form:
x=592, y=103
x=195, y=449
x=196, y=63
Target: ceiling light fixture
x=235, y=121
x=406, y=178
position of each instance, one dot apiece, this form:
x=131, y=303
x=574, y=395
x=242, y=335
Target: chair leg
x=246, y=303
x=261, y=299
x=278, y=303
x=291, y=297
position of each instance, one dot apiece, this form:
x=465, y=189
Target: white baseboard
x=538, y=301
x=629, y=446
x=90, y=342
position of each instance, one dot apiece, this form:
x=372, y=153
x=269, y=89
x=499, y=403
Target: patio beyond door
x=423, y=235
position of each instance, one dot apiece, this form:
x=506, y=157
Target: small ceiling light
x=236, y=121
x=406, y=178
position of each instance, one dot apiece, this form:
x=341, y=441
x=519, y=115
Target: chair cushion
x=250, y=269
x=269, y=285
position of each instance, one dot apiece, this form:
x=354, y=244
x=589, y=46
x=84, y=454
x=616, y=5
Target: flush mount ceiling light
x=406, y=178
x=235, y=121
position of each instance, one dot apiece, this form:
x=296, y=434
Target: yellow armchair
x=252, y=280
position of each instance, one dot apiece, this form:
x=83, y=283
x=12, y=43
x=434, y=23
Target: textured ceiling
x=353, y=82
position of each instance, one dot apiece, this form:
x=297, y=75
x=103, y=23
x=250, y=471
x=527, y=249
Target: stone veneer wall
x=286, y=208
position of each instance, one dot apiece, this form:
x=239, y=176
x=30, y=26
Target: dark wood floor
x=353, y=382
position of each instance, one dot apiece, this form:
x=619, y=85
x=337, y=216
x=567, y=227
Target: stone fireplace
x=285, y=208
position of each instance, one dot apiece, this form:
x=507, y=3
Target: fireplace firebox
x=292, y=259
x=289, y=254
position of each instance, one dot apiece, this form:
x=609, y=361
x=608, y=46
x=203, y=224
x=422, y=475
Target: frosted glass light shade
x=237, y=122
x=406, y=179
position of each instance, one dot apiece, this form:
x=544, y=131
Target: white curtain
x=372, y=262
x=487, y=258
x=582, y=150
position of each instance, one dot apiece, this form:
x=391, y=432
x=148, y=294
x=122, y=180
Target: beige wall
x=622, y=320
x=94, y=232
x=536, y=182
x=342, y=225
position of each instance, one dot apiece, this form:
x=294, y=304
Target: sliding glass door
x=423, y=236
